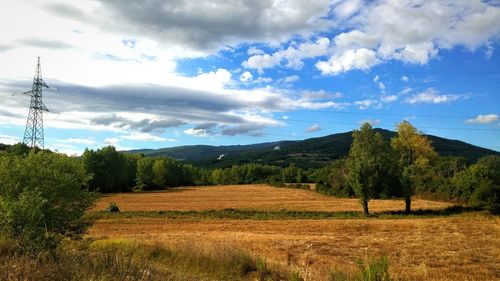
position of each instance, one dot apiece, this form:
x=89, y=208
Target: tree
x=109, y=170
x=366, y=163
x=415, y=155
x=43, y=197
x=160, y=172
x=479, y=184
x=145, y=174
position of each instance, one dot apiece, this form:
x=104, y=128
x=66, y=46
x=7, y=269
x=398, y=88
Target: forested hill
x=314, y=152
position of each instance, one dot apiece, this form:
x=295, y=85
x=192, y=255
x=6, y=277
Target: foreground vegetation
x=120, y=259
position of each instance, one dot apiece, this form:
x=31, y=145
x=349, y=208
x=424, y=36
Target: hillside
x=312, y=152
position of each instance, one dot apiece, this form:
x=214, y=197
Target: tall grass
x=373, y=269
x=111, y=260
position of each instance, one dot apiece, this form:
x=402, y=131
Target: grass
x=243, y=214
x=120, y=259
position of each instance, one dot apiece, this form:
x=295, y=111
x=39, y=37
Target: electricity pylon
x=33, y=134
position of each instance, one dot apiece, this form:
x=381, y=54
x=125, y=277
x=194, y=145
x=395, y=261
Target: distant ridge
x=313, y=152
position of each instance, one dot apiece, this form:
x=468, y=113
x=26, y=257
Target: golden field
x=250, y=197
x=456, y=247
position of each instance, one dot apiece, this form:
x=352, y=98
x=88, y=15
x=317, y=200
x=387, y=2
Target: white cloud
x=411, y=31
x=389, y=98
x=87, y=141
x=406, y=91
x=373, y=122
x=144, y=137
x=362, y=59
x=254, y=51
x=367, y=103
x=197, y=132
x=320, y=95
x=345, y=9
x=293, y=56
x=483, y=119
x=246, y=76
x=291, y=79
x=285, y=117
x=6, y=139
x=431, y=96
x=405, y=78
x=313, y=128
x=380, y=85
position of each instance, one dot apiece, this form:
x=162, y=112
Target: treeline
x=407, y=166
x=113, y=171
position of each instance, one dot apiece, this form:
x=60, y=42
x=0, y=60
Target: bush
x=43, y=197
x=113, y=208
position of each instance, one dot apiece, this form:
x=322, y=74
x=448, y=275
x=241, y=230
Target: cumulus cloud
x=431, y=96
x=204, y=25
x=405, y=78
x=246, y=76
x=291, y=57
x=483, y=119
x=313, y=128
x=362, y=59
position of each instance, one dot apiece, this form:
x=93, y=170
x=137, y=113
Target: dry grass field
x=457, y=247
x=254, y=197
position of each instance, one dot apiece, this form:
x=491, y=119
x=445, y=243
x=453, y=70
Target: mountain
x=314, y=152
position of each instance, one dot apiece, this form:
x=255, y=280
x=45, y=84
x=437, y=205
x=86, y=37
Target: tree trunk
x=364, y=203
x=408, y=205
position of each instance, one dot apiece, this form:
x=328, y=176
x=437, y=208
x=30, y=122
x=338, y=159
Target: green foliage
x=295, y=276
x=246, y=174
x=145, y=173
x=18, y=149
x=113, y=208
x=332, y=179
x=479, y=184
x=43, y=197
x=415, y=157
x=110, y=170
x=375, y=269
x=367, y=164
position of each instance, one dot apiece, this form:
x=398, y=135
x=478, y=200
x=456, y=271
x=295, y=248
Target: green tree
x=479, y=184
x=43, y=197
x=415, y=155
x=160, y=172
x=145, y=173
x=109, y=170
x=366, y=163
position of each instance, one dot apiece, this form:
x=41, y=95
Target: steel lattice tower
x=33, y=134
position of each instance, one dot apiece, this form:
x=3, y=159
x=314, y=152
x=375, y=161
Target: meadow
x=296, y=231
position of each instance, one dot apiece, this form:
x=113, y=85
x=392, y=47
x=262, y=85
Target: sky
x=153, y=74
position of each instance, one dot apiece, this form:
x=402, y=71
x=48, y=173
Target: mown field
x=430, y=246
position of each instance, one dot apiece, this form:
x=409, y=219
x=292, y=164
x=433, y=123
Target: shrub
x=43, y=197
x=113, y=208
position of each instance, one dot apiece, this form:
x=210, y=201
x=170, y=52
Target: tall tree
x=415, y=154
x=366, y=163
x=160, y=172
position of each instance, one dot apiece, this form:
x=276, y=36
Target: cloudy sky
x=151, y=74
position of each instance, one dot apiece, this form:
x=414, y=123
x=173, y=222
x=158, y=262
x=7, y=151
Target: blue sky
x=167, y=73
